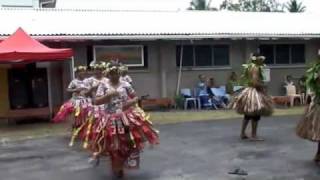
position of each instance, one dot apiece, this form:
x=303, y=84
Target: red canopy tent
x=21, y=48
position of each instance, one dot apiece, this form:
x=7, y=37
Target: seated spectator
x=231, y=82
x=302, y=88
x=288, y=80
x=215, y=100
x=202, y=91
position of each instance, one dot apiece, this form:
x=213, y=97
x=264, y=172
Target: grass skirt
x=252, y=102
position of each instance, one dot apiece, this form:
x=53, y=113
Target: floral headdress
x=255, y=57
x=80, y=68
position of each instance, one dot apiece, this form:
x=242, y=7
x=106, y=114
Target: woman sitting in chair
x=217, y=102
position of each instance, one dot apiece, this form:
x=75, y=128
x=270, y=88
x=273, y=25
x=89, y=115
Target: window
x=187, y=56
x=267, y=51
x=131, y=55
x=221, y=55
x=283, y=53
x=298, y=53
x=203, y=55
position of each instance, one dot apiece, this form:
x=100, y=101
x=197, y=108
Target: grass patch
x=30, y=131
x=204, y=115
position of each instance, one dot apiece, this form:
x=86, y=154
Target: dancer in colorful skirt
x=253, y=102
x=95, y=112
x=77, y=106
x=309, y=127
x=124, y=129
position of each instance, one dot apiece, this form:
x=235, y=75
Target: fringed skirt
x=84, y=115
x=78, y=108
x=123, y=135
x=309, y=127
x=252, y=102
x=84, y=131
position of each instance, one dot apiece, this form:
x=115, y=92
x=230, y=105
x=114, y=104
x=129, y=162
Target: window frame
x=141, y=65
x=274, y=46
x=212, y=65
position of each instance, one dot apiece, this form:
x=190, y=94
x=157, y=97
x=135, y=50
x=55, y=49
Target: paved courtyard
x=188, y=151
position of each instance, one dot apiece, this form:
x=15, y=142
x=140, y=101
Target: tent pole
x=49, y=91
x=180, y=71
x=72, y=67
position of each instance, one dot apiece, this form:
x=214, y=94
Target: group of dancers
x=106, y=117
x=109, y=122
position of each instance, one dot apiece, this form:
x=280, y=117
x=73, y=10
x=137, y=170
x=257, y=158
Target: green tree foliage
x=252, y=5
x=295, y=6
x=201, y=5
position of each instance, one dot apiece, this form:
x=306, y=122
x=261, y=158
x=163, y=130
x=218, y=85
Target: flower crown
x=123, y=68
x=112, y=66
x=80, y=68
x=254, y=58
x=99, y=66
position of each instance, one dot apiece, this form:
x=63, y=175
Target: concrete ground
x=188, y=151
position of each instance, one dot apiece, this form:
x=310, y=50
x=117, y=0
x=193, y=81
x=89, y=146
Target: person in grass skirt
x=253, y=102
x=309, y=127
x=78, y=105
x=124, y=128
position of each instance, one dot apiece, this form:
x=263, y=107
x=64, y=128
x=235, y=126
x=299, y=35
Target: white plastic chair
x=292, y=94
x=187, y=92
x=309, y=94
x=237, y=88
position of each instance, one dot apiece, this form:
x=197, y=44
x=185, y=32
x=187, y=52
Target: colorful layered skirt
x=84, y=115
x=122, y=136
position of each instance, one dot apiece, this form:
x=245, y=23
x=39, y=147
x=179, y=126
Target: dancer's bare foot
x=255, y=138
x=244, y=136
x=95, y=161
x=119, y=174
x=317, y=159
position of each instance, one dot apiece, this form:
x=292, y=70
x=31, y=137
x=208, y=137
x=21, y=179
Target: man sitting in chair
x=202, y=92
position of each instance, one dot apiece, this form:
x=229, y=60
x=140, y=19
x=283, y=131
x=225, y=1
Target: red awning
x=20, y=47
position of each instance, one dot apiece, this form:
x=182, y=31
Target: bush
x=179, y=100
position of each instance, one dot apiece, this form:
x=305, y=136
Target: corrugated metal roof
x=108, y=24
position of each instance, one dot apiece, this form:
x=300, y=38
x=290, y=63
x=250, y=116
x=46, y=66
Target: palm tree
x=201, y=5
x=295, y=6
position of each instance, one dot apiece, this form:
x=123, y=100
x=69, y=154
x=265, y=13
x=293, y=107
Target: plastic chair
x=237, y=88
x=292, y=94
x=220, y=93
x=186, y=92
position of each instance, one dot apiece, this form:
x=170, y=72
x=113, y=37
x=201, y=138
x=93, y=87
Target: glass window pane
x=267, y=51
x=221, y=55
x=203, y=55
x=298, y=53
x=187, y=59
x=282, y=54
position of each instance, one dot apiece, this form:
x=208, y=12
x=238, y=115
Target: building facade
x=154, y=43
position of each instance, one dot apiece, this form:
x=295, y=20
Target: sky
x=312, y=5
